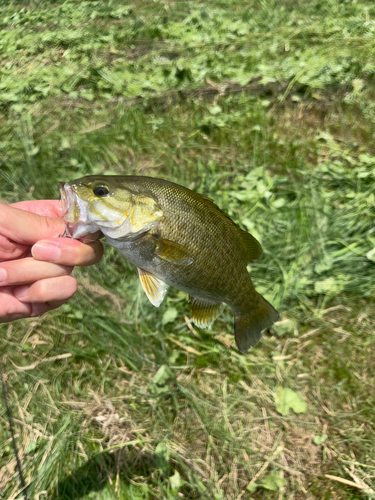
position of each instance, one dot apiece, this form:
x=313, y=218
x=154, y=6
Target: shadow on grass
x=94, y=475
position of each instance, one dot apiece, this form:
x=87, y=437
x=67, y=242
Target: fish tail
x=248, y=326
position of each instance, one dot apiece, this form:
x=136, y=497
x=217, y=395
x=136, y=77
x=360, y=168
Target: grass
x=267, y=107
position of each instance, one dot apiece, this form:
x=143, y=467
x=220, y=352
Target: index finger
x=27, y=228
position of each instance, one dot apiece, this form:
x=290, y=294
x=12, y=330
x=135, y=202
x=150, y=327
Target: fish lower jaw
x=80, y=229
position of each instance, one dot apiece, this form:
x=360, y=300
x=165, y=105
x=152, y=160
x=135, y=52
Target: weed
x=266, y=107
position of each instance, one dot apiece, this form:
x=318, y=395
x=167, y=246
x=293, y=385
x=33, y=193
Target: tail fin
x=248, y=327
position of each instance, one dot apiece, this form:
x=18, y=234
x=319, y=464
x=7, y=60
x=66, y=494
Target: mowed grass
x=268, y=108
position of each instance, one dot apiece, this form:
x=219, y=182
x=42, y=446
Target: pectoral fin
x=173, y=252
x=204, y=312
x=154, y=287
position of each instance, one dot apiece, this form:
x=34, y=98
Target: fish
x=174, y=236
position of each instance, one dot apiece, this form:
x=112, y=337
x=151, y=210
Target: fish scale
x=176, y=237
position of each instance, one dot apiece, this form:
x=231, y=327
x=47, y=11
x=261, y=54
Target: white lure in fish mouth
x=75, y=213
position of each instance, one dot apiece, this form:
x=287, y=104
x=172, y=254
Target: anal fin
x=154, y=287
x=204, y=312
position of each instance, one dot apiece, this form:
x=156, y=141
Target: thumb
x=26, y=227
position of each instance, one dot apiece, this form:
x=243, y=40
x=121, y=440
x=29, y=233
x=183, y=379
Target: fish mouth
x=74, y=212
x=65, y=202
x=73, y=208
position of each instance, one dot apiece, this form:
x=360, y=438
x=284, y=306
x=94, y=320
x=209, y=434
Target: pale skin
x=35, y=262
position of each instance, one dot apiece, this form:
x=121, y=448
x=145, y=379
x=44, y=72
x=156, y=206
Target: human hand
x=35, y=263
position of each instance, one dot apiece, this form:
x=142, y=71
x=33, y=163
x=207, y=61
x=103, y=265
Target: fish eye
x=101, y=191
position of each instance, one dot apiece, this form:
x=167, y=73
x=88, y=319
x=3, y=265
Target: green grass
x=268, y=108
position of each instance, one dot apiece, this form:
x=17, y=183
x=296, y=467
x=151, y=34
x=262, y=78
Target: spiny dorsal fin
x=173, y=252
x=204, y=312
x=253, y=250
x=206, y=197
x=154, y=287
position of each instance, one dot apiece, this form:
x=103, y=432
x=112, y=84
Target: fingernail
x=21, y=291
x=43, y=250
x=3, y=275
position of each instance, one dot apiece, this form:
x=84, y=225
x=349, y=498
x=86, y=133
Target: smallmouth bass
x=177, y=237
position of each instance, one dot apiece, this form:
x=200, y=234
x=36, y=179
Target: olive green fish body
x=177, y=237
x=207, y=234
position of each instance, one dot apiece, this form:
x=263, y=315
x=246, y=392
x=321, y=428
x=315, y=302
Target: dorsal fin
x=252, y=250
x=206, y=197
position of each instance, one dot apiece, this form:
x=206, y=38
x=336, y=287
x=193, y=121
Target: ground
x=268, y=108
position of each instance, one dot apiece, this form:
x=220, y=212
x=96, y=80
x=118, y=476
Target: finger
x=40, y=309
x=28, y=270
x=9, y=250
x=68, y=252
x=47, y=208
x=48, y=291
x=26, y=227
x=10, y=307
x=27, y=310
